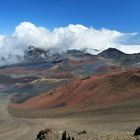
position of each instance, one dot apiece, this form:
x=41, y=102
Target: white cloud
x=62, y=39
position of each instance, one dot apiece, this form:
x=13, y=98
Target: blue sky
x=121, y=15
x=93, y=24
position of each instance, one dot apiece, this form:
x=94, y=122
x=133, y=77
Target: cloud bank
x=62, y=39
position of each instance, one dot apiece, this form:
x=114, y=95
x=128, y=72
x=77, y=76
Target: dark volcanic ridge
x=34, y=56
x=121, y=57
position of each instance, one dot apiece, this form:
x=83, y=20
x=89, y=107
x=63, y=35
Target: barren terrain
x=74, y=93
x=12, y=128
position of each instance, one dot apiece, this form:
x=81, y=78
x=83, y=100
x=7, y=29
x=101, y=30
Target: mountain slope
x=91, y=93
x=112, y=53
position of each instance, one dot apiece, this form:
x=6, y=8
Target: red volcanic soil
x=113, y=68
x=88, y=93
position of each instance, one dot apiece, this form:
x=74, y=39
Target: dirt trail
x=12, y=128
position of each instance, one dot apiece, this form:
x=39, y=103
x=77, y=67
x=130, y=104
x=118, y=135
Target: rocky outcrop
x=82, y=132
x=44, y=134
x=137, y=132
x=48, y=134
x=66, y=136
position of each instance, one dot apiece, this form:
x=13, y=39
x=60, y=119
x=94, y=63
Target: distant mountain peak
x=114, y=50
x=34, y=54
x=121, y=57
x=112, y=53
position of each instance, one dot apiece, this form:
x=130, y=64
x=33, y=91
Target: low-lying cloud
x=62, y=39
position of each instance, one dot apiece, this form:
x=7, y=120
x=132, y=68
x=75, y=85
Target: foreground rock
x=67, y=136
x=48, y=134
x=137, y=133
x=82, y=132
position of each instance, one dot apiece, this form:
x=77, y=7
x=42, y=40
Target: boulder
x=137, y=132
x=66, y=136
x=43, y=134
x=82, y=132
